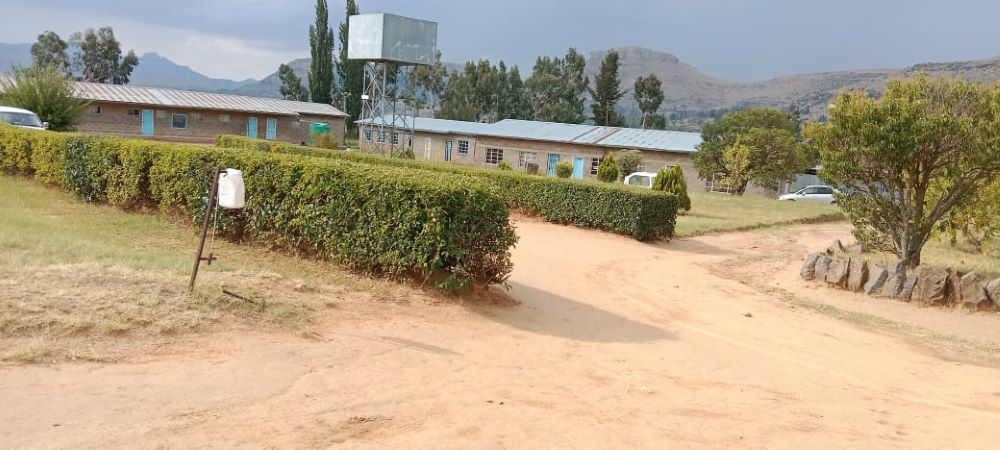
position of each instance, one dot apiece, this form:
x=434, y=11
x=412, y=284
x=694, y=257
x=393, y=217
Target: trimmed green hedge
x=377, y=219
x=640, y=213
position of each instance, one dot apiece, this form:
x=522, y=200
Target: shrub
x=378, y=219
x=671, y=179
x=640, y=213
x=46, y=91
x=504, y=166
x=628, y=162
x=608, y=170
x=324, y=140
x=564, y=169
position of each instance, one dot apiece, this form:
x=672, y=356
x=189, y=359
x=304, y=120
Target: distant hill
x=14, y=55
x=692, y=97
x=270, y=85
x=156, y=71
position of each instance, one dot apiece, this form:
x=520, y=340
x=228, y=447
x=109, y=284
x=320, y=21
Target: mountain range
x=690, y=96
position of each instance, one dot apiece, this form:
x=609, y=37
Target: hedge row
x=642, y=214
x=377, y=219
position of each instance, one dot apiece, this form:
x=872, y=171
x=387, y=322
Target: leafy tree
x=484, y=93
x=99, y=57
x=607, y=171
x=321, y=50
x=606, y=93
x=629, y=162
x=49, y=50
x=426, y=84
x=555, y=89
x=47, y=91
x=656, y=122
x=648, y=93
x=351, y=73
x=671, y=179
x=758, y=145
x=458, y=101
x=291, y=85
x=886, y=154
x=564, y=169
x=977, y=219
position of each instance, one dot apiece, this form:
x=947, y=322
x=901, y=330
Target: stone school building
x=518, y=142
x=197, y=117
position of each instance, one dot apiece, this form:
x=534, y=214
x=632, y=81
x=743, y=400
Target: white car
x=642, y=179
x=814, y=194
x=21, y=118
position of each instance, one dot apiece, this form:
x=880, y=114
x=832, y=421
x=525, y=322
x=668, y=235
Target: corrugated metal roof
x=631, y=138
x=118, y=93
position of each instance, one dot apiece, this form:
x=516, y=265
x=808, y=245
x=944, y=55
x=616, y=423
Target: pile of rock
x=927, y=286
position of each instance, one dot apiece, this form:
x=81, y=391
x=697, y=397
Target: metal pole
x=209, y=210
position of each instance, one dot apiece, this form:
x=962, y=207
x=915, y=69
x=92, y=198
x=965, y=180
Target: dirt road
x=710, y=342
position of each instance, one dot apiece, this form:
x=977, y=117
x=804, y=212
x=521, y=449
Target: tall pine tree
x=606, y=93
x=350, y=73
x=321, y=66
x=648, y=94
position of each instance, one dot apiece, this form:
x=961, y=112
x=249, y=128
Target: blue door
x=447, y=150
x=578, y=167
x=272, y=129
x=252, y=127
x=147, y=122
x=553, y=159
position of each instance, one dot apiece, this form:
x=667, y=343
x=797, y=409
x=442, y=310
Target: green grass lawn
x=712, y=212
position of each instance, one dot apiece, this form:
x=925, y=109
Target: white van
x=642, y=179
x=21, y=118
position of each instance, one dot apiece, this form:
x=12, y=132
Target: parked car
x=643, y=179
x=815, y=194
x=21, y=118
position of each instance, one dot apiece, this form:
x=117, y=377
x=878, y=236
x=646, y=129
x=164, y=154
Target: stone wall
x=925, y=286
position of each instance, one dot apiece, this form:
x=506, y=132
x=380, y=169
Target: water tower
x=388, y=43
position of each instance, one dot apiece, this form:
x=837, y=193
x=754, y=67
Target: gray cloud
x=739, y=39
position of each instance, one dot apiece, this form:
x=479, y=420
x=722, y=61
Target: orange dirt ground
x=710, y=342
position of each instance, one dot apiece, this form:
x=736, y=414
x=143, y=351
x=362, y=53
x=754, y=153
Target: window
x=196, y=116
x=594, y=164
x=526, y=157
x=494, y=156
x=224, y=118
x=381, y=136
x=179, y=121
x=133, y=112
x=97, y=110
x=463, y=148
x=368, y=135
x=296, y=123
x=825, y=190
x=395, y=138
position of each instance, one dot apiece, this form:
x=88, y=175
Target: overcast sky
x=735, y=39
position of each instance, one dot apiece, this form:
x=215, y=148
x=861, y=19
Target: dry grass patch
x=81, y=282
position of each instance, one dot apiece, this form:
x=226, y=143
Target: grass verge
x=714, y=213
x=76, y=275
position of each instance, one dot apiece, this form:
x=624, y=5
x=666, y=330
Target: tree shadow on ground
x=692, y=246
x=552, y=314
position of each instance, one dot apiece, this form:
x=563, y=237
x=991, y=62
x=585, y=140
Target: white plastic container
x=232, y=192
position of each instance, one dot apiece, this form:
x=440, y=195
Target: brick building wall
x=202, y=125
x=515, y=152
